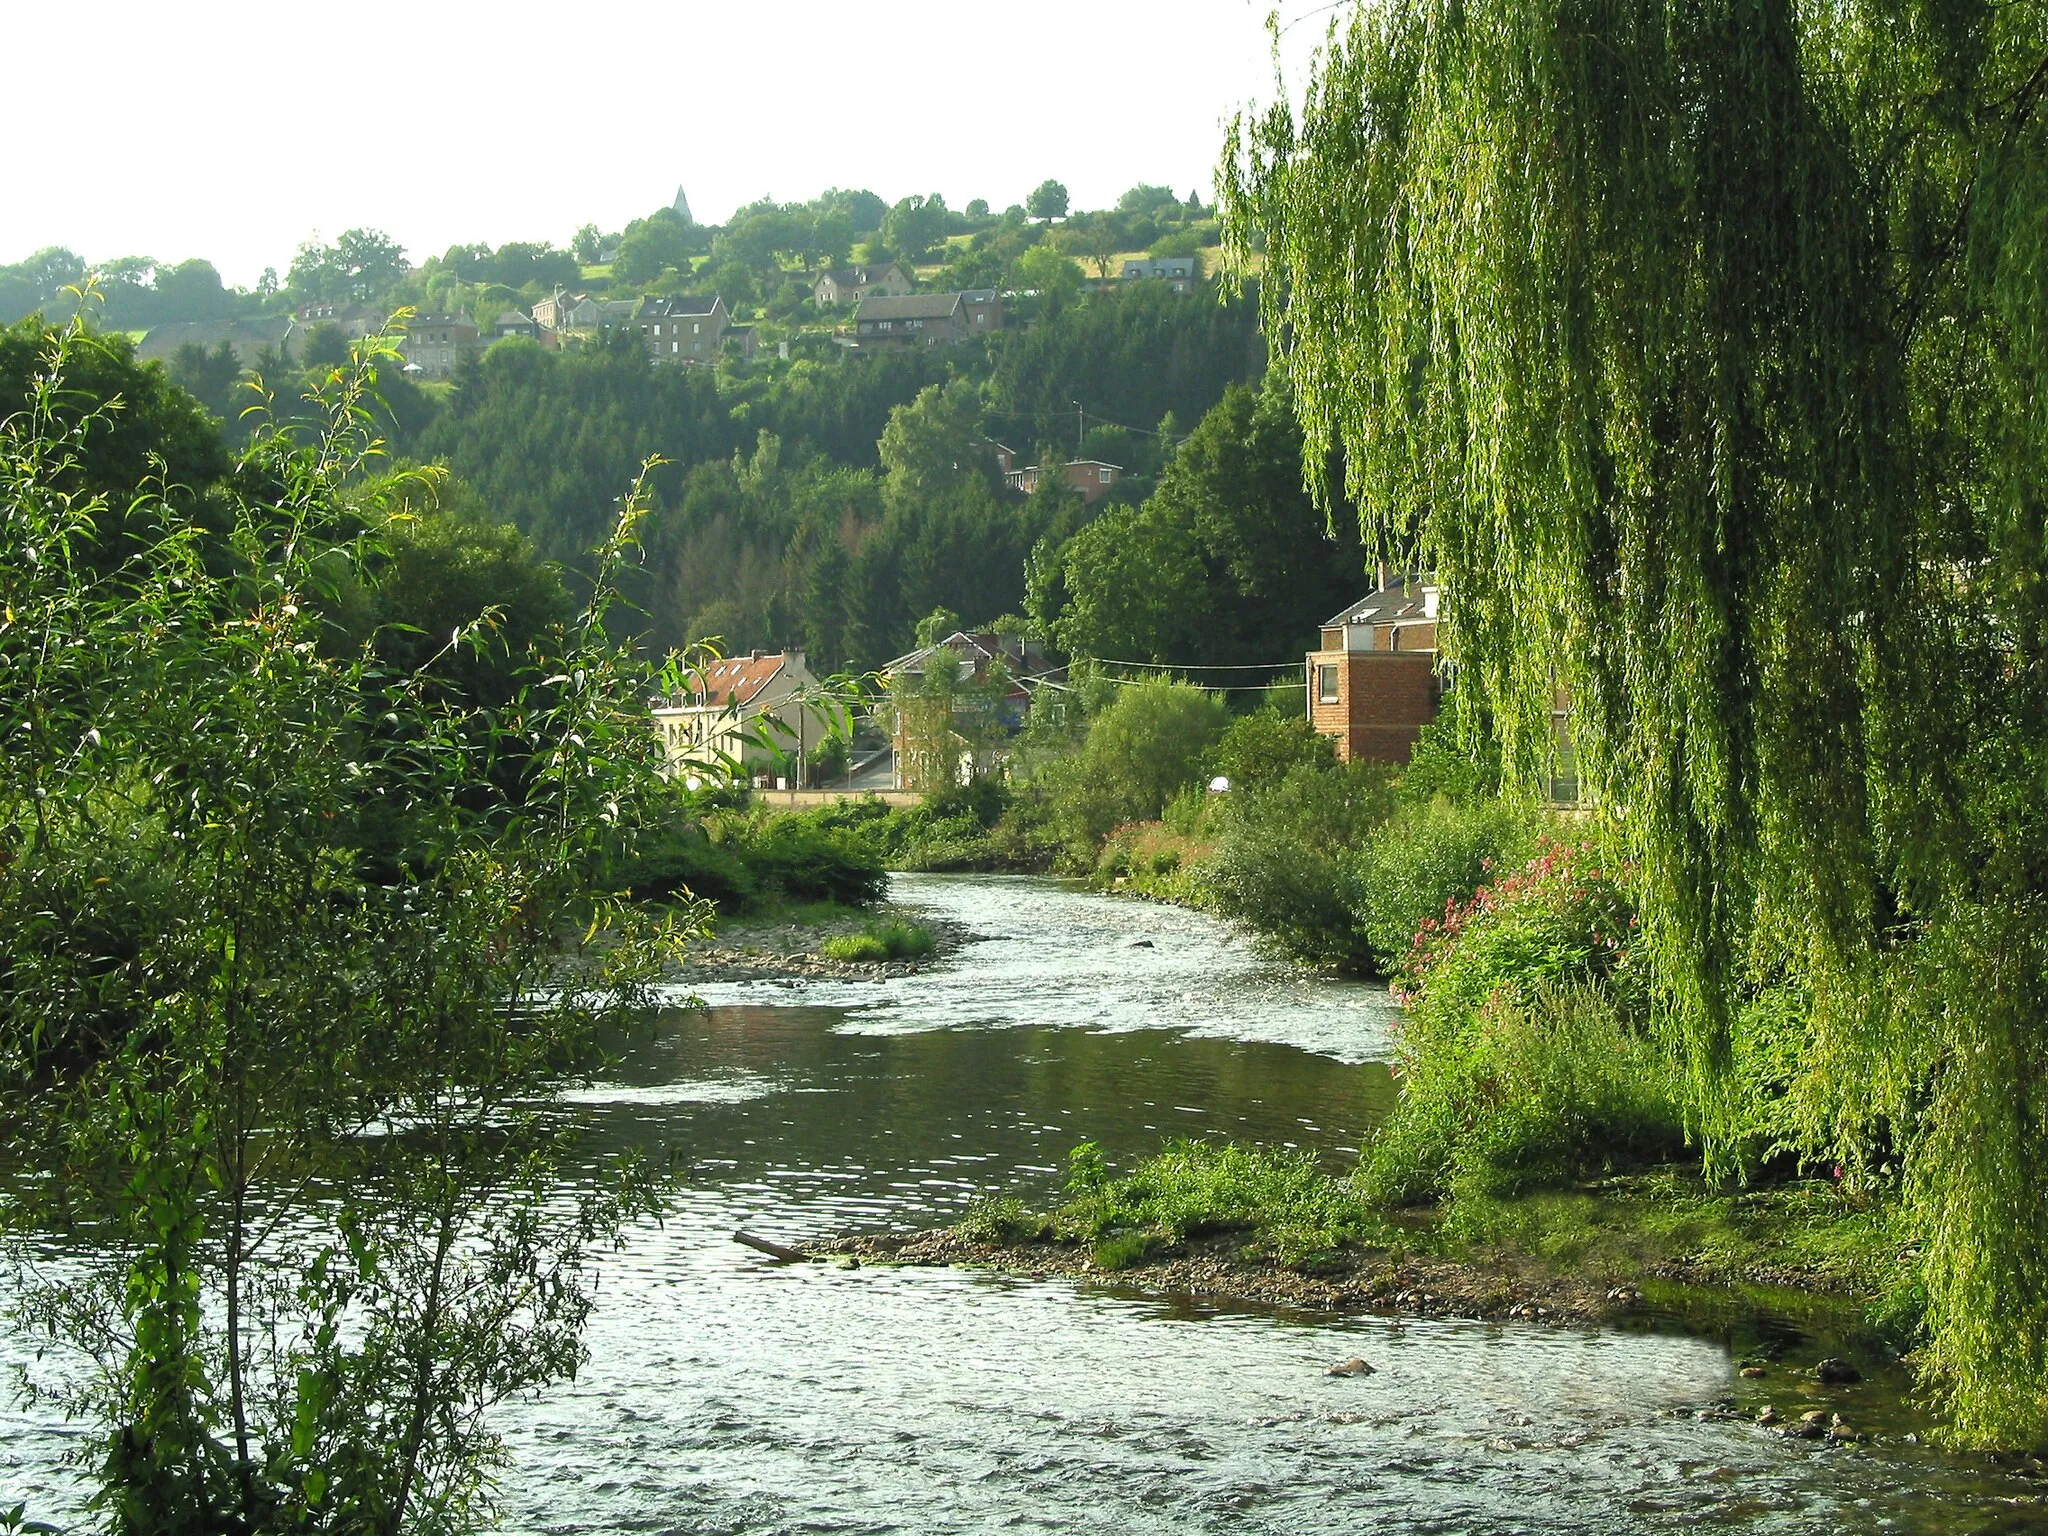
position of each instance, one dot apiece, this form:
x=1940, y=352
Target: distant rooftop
x=909, y=306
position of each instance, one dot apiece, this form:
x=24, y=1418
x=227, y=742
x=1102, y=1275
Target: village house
x=689, y=328
x=917, y=320
x=984, y=308
x=354, y=320
x=957, y=737
x=513, y=323
x=754, y=714
x=1090, y=479
x=1373, y=685
x=434, y=345
x=745, y=340
x=849, y=285
x=558, y=311
x=1182, y=272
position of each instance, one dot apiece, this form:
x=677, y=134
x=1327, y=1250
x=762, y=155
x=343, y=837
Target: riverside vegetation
x=1701, y=352
x=1544, y=1125
x=292, y=890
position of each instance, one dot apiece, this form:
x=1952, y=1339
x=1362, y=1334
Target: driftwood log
x=773, y=1250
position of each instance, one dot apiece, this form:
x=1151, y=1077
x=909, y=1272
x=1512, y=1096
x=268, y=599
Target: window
x=695, y=329
x=1326, y=684
x=657, y=328
x=674, y=347
x=1104, y=475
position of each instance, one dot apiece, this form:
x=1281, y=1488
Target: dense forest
x=820, y=495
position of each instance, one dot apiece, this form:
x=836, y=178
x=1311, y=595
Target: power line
x=1198, y=666
x=1090, y=415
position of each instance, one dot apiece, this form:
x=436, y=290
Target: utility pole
x=1080, y=426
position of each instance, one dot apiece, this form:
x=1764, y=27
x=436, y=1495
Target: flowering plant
x=1560, y=917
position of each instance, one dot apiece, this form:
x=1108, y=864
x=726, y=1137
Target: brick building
x=1373, y=685
x=984, y=308
x=1090, y=479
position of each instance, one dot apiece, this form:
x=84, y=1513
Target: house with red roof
x=758, y=715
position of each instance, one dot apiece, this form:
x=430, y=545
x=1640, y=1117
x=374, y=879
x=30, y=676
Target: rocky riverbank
x=770, y=949
x=1367, y=1279
x=1792, y=1384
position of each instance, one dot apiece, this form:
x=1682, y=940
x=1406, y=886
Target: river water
x=727, y=1394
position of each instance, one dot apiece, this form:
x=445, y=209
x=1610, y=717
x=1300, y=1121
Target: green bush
x=881, y=941
x=1125, y=1250
x=1429, y=855
x=747, y=860
x=804, y=858
x=856, y=947
x=1455, y=757
x=1528, y=1055
x=1264, y=746
x=1146, y=746
x=1289, y=1209
x=681, y=861
x=1286, y=863
x=1529, y=1090
x=1003, y=1220
x=1299, y=902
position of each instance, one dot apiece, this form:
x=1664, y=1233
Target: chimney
x=755, y=655
x=1385, y=576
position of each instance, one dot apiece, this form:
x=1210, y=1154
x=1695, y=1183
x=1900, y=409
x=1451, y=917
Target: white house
x=762, y=713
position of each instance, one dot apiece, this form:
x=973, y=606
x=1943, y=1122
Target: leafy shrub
x=905, y=940
x=1558, y=918
x=1298, y=902
x=1146, y=746
x=805, y=859
x=743, y=860
x=1125, y=1250
x=1003, y=1220
x=1527, y=1053
x=1264, y=746
x=681, y=861
x=1425, y=856
x=1153, y=859
x=1286, y=865
x=1456, y=756
x=1532, y=1088
x=855, y=947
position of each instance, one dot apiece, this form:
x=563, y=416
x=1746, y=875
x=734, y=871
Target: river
x=727, y=1394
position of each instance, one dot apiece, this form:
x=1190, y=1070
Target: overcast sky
x=234, y=130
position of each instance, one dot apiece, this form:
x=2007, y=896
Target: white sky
x=234, y=129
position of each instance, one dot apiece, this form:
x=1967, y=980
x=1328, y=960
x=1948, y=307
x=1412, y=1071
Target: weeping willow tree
x=1702, y=347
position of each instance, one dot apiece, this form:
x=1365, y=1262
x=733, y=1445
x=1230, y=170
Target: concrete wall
x=809, y=799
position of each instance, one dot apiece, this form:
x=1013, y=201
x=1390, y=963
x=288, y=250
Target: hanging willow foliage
x=1699, y=345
